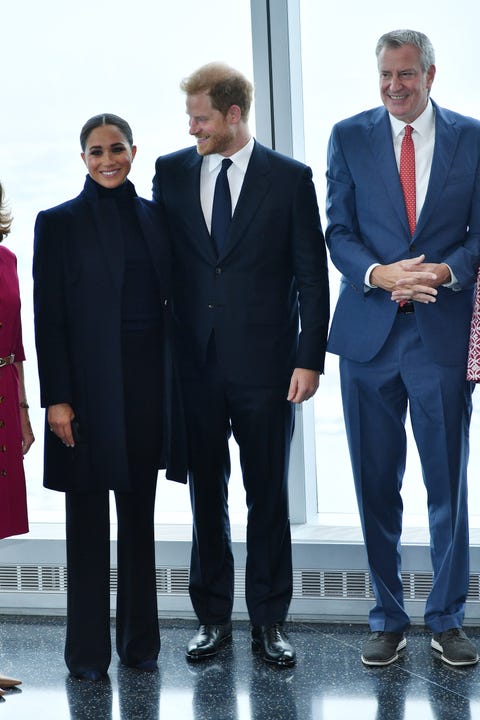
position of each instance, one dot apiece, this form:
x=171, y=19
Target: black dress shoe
x=208, y=640
x=273, y=641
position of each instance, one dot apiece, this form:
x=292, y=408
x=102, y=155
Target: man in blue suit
x=244, y=360
x=401, y=329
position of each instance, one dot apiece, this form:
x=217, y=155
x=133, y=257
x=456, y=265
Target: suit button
x=3, y=448
x=412, y=248
x=211, y=306
x=3, y=473
x=218, y=271
x=1, y=325
x=165, y=303
x=2, y=398
x=2, y=423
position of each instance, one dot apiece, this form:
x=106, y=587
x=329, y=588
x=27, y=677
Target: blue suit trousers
x=376, y=397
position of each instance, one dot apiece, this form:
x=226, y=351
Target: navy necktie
x=222, y=207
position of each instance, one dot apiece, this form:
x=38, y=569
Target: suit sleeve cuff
x=366, y=281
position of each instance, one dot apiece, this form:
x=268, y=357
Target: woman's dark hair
x=105, y=119
x=5, y=217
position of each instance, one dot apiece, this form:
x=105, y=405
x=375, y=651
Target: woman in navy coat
x=101, y=298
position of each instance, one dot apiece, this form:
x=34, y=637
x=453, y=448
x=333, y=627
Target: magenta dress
x=13, y=500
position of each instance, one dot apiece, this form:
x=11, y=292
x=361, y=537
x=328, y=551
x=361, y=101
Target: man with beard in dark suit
x=239, y=294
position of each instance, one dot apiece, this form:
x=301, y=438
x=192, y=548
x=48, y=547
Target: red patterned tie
x=407, y=177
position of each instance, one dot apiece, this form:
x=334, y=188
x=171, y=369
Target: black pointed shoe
x=208, y=640
x=273, y=641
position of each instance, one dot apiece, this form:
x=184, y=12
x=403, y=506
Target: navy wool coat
x=78, y=274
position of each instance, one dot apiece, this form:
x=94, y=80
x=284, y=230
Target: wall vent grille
x=307, y=584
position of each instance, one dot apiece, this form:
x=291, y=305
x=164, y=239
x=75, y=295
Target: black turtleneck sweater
x=141, y=305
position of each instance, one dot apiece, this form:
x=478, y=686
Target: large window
x=64, y=62
x=339, y=80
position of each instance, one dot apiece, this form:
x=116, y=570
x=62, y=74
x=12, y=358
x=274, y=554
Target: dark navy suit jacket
x=271, y=273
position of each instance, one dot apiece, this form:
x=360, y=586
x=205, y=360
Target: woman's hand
x=60, y=422
x=28, y=437
x=27, y=434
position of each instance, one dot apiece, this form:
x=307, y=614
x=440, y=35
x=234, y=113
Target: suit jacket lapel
x=380, y=134
x=446, y=139
x=189, y=180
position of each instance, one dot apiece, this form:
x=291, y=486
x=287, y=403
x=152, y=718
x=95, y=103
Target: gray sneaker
x=455, y=647
x=382, y=648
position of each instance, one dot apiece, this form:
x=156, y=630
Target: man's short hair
x=224, y=85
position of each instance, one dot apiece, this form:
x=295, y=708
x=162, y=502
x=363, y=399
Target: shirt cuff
x=453, y=284
x=366, y=281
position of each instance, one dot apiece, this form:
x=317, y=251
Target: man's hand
x=411, y=279
x=388, y=276
x=416, y=286
x=303, y=385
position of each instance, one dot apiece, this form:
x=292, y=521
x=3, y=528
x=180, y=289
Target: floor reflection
x=328, y=682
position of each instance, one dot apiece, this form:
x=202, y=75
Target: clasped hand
x=411, y=279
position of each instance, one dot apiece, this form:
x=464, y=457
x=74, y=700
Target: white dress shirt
x=211, y=166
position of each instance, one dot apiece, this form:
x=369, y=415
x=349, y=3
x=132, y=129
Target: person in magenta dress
x=16, y=436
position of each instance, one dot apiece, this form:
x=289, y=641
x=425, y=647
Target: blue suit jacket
x=367, y=223
x=272, y=270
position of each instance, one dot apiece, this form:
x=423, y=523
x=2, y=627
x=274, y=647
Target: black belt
x=406, y=308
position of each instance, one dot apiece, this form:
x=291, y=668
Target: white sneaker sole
x=436, y=646
x=381, y=663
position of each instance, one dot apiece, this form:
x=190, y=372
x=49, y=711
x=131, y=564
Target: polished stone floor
x=328, y=682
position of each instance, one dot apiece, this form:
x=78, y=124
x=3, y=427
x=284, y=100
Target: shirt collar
x=240, y=158
x=424, y=124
